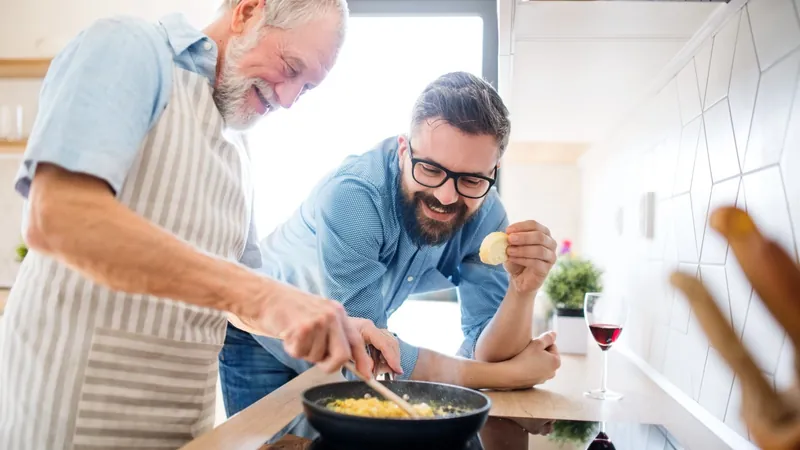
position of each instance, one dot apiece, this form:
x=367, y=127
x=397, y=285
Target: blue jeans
x=248, y=372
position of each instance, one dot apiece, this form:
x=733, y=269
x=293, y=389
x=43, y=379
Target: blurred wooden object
x=772, y=417
x=24, y=68
x=16, y=147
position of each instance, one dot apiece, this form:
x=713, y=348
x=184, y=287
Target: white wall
x=715, y=134
x=30, y=29
x=547, y=193
x=578, y=66
x=42, y=27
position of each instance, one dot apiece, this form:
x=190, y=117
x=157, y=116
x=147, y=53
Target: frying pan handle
x=377, y=358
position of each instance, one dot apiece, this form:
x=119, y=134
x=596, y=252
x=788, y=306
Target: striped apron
x=85, y=367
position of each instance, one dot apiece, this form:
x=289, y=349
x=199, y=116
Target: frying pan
x=339, y=430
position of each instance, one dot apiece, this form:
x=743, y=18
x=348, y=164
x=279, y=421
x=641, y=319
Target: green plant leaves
x=22, y=252
x=573, y=431
x=569, y=281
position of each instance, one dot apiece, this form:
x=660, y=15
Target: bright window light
x=384, y=65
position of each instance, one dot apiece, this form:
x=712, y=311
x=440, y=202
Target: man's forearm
x=509, y=331
x=73, y=220
x=436, y=367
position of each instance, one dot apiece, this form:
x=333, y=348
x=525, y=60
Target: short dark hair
x=466, y=102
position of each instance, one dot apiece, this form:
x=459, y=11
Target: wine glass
x=605, y=315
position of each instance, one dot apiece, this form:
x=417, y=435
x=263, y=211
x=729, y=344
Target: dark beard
x=422, y=229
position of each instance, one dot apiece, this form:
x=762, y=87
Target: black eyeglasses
x=432, y=175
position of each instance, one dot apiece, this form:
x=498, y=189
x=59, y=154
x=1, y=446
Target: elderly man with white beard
x=138, y=218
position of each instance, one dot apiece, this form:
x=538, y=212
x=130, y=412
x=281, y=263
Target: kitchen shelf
x=16, y=147
x=24, y=67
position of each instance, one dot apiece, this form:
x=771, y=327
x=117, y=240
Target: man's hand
x=531, y=254
x=311, y=327
x=386, y=354
x=537, y=363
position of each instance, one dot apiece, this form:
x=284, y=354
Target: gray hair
x=286, y=14
x=467, y=103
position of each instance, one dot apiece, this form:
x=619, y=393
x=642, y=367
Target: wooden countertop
x=559, y=398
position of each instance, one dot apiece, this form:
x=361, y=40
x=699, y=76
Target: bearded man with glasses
x=409, y=217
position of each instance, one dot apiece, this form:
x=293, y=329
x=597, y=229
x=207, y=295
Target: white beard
x=232, y=90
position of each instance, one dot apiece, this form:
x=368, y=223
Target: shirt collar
x=181, y=34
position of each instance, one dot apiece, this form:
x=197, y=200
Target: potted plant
x=576, y=432
x=569, y=281
x=22, y=252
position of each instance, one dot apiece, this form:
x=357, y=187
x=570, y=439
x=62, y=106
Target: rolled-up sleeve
x=98, y=101
x=481, y=287
x=350, y=236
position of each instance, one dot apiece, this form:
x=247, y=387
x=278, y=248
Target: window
x=384, y=65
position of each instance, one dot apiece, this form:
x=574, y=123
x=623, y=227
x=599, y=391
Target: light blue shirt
x=104, y=92
x=347, y=242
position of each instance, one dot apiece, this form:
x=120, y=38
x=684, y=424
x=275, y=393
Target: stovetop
x=515, y=433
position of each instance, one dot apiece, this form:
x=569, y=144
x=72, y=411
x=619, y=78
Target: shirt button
x=207, y=46
x=410, y=279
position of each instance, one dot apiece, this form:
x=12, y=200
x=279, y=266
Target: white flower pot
x=572, y=332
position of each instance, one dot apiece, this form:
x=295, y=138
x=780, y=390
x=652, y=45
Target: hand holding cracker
x=527, y=250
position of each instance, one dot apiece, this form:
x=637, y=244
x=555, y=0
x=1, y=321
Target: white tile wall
x=766, y=202
x=716, y=160
x=744, y=83
x=701, y=191
x=717, y=383
x=773, y=104
x=702, y=64
x=719, y=76
x=775, y=29
x=784, y=375
x=696, y=355
x=688, y=93
x=721, y=143
x=790, y=167
x=686, y=156
x=684, y=228
x=763, y=336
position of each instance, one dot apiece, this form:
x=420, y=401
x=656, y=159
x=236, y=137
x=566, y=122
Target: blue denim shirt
x=347, y=242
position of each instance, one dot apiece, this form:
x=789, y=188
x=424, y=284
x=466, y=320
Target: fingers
x=376, y=357
x=532, y=238
x=547, y=339
x=538, y=266
x=386, y=345
x=358, y=348
x=319, y=348
x=299, y=340
x=528, y=225
x=553, y=350
x=533, y=252
x=339, y=350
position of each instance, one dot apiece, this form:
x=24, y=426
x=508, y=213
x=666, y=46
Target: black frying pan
x=348, y=431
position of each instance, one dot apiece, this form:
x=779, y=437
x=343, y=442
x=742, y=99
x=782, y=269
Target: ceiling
x=569, y=70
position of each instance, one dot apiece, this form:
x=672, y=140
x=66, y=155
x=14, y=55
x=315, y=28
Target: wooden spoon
x=383, y=390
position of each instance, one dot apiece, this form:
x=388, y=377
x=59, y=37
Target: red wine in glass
x=605, y=316
x=605, y=334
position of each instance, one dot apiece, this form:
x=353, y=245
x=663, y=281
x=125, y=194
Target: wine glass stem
x=605, y=369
